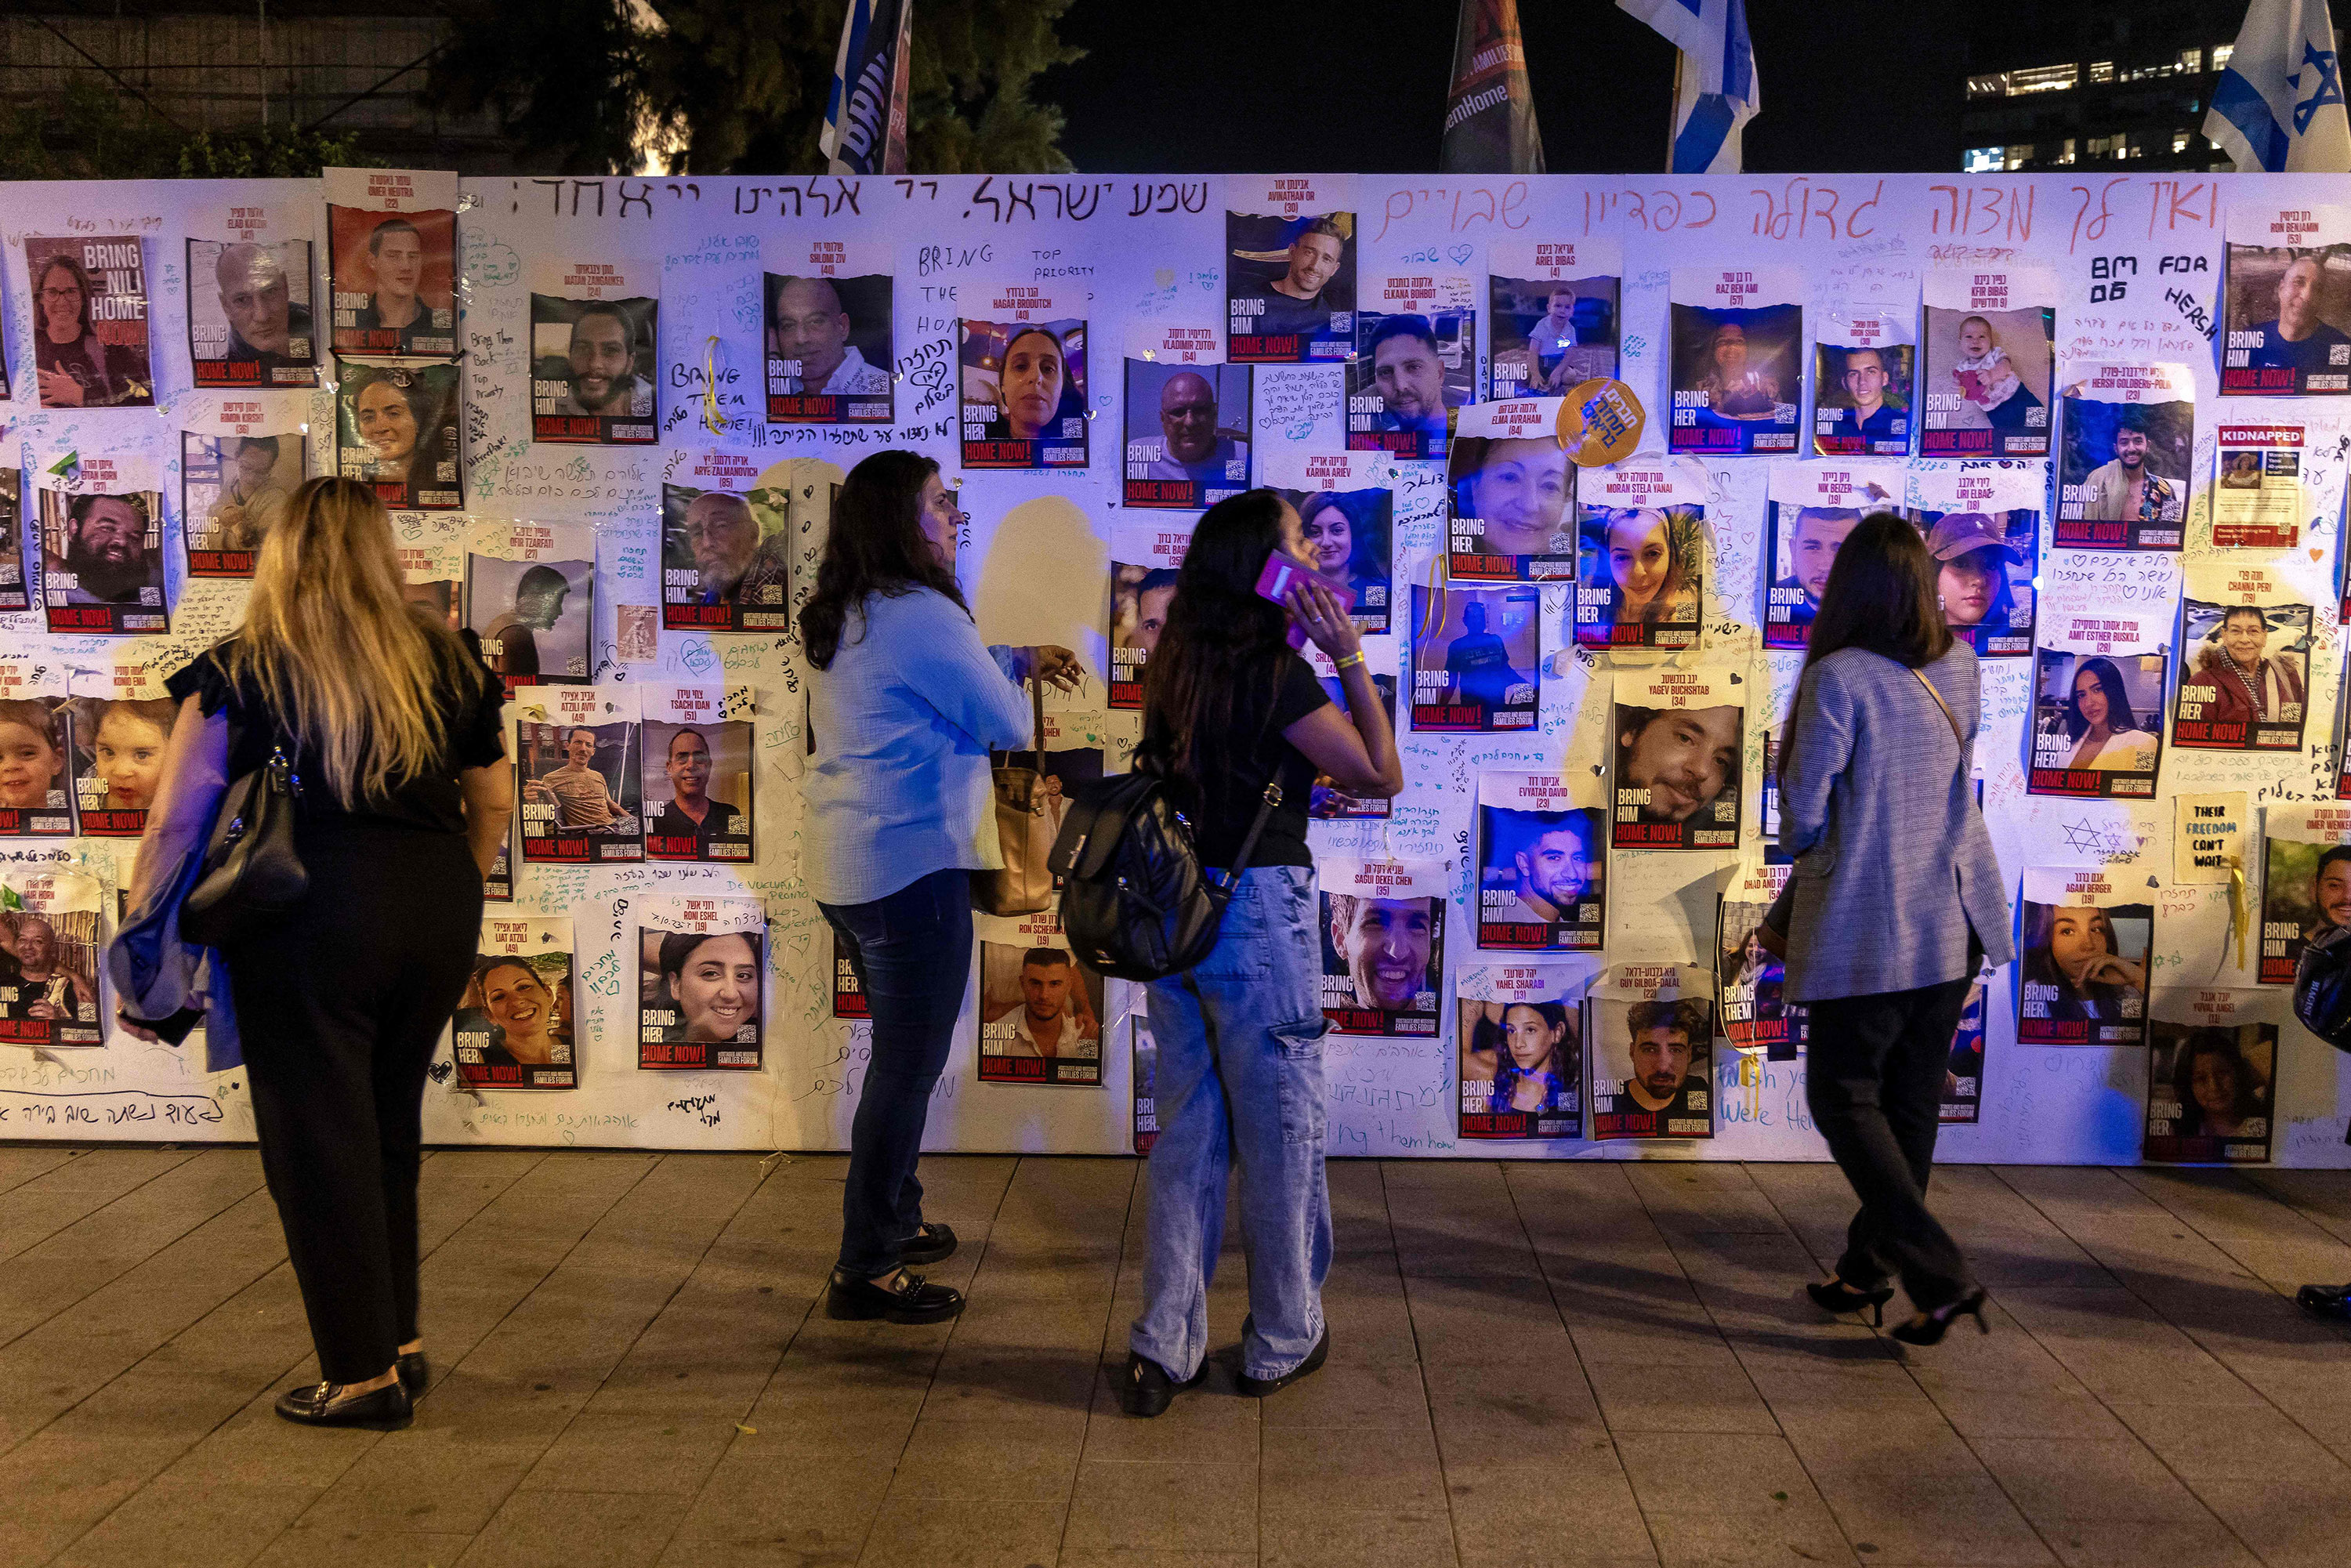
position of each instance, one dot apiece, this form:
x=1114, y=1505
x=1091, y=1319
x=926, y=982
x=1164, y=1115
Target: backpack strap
x=1248, y=843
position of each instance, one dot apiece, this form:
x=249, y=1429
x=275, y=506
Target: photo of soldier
x=1549, y=336
x=1542, y=867
x=2083, y=977
x=1290, y=287
x=1476, y=659
x=1382, y=960
x=1804, y=543
x=1139, y=598
x=578, y=789
x=1990, y=363
x=36, y=757
x=1520, y=1072
x=1862, y=399
x=102, y=558
x=1187, y=438
x=1985, y=570
x=89, y=322
x=1737, y=374
x=249, y=322
x=49, y=942
x=1679, y=750
x=1510, y=496
x=1410, y=374
x=514, y=1026
x=1023, y=388
x=594, y=347
x=827, y=348
x=701, y=967
x=1651, y=1066
x=532, y=617
x=232, y=490
x=2286, y=307
x=2124, y=458
x=392, y=250
x=2211, y=1077
x=726, y=559
x=396, y=431
x=2244, y=674
x=697, y=777
x=1040, y=1017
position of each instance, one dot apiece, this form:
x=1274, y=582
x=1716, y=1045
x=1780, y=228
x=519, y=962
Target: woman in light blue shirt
x=904, y=705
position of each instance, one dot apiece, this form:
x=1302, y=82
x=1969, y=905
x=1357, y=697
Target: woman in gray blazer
x=1894, y=899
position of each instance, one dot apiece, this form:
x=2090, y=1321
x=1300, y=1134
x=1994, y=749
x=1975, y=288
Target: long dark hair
x=1559, y=1063
x=875, y=545
x=2119, y=717
x=1220, y=641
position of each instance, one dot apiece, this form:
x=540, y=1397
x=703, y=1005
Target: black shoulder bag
x=250, y=870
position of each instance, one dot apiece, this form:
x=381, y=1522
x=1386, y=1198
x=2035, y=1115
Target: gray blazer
x=1893, y=865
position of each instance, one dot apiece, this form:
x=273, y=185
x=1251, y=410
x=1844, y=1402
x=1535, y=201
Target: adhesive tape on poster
x=1601, y=422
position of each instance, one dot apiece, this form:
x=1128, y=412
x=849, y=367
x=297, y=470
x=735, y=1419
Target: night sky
x=1210, y=88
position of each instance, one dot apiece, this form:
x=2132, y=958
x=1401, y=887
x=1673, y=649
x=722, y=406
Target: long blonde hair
x=348, y=665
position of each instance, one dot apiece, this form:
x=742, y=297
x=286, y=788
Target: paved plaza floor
x=1591, y=1363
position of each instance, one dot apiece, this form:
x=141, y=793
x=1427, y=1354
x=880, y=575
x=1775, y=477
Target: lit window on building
x=2043, y=78
x=2065, y=154
x=1983, y=160
x=2102, y=71
x=2221, y=53
x=1986, y=86
x=2180, y=141
x=2191, y=60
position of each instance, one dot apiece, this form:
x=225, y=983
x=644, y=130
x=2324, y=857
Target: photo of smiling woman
x=1984, y=570
x=89, y=322
x=700, y=968
x=1521, y=1063
x=396, y=431
x=514, y=1028
x=1023, y=388
x=2245, y=674
x=1510, y=521
x=2097, y=722
x=1638, y=577
x=2083, y=979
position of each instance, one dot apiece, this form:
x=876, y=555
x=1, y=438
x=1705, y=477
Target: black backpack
x=2321, y=989
x=1135, y=902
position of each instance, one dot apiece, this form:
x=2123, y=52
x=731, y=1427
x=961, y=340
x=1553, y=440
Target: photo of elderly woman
x=1638, y=577
x=1024, y=394
x=1987, y=562
x=2305, y=890
x=1522, y=1069
x=1511, y=499
x=2243, y=678
x=396, y=431
x=118, y=762
x=2098, y=726
x=1737, y=374
x=2083, y=979
x=1290, y=287
x=1989, y=368
x=2210, y=1093
x=1349, y=530
x=700, y=991
x=514, y=1029
x=35, y=795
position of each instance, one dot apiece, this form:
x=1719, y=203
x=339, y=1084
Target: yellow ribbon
x=2237, y=922
x=710, y=416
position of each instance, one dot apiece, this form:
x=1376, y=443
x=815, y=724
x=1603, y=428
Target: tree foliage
x=89, y=133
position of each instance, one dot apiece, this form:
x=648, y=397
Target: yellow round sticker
x=1600, y=422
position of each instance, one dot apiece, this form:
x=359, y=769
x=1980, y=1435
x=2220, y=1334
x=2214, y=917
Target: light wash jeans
x=1240, y=1082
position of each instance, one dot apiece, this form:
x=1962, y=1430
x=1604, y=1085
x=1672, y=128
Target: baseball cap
x=1960, y=533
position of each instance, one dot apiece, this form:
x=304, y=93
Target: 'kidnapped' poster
x=701, y=964
x=1680, y=742
x=1737, y=345
x=100, y=533
x=1383, y=947
x=250, y=323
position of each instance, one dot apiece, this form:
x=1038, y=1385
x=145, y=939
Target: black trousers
x=340, y=1003
x=1875, y=1083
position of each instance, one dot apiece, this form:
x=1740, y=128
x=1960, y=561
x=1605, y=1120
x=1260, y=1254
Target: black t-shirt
x=469, y=700
x=1231, y=802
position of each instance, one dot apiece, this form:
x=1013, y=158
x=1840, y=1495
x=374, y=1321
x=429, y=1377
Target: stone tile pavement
x=1586, y=1363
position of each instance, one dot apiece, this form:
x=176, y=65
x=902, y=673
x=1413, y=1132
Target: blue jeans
x=911, y=951
x=1240, y=1082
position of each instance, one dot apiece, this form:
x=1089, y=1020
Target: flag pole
x=1673, y=108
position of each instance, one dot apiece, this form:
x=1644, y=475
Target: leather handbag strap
x=1952, y=719
x=1037, y=711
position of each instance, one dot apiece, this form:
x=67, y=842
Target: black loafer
x=2332, y=1302
x=415, y=1372
x=911, y=1302
x=931, y=1244
x=1147, y=1390
x=1258, y=1387
x=385, y=1409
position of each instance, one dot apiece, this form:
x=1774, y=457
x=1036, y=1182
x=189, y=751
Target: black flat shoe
x=385, y=1409
x=415, y=1372
x=910, y=1301
x=1147, y=1390
x=931, y=1244
x=2332, y=1302
x=1258, y=1387
x=1838, y=1297
x=1928, y=1328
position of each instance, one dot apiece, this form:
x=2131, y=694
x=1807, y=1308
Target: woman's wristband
x=1349, y=661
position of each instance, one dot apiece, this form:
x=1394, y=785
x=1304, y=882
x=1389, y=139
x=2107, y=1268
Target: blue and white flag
x=1718, y=92
x=865, y=119
x=2279, y=106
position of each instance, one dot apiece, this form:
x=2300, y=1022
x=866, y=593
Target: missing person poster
x=250, y=326
x=1991, y=361
x=100, y=527
x=1813, y=505
x=2211, y=1075
x=1982, y=526
x=1640, y=567
x=498, y=882
x=1552, y=306
x=36, y=754
x=1680, y=749
x=1520, y=1051
x=1023, y=376
x=1415, y=362
x=1512, y=489
x=236, y=476
x=1383, y=946
x=2258, y=498
x=1145, y=1080
x=701, y=963
x=530, y=598
x=1863, y=364
x=727, y=545
x=1290, y=272
x=514, y=1026
x=392, y=237
x=1074, y=746
x=1649, y=1032
x=2244, y=670
x=1751, y=983
x=396, y=431
x=2123, y=467
x=1346, y=508
x=432, y=566
x=15, y=588
x=2305, y=883
x=1041, y=1013
x=1326, y=802
x=1737, y=371
x=848, y=991
x=1542, y=865
x=2097, y=708
x=578, y=771
x=48, y=995
x=1476, y=659
x=89, y=321
x=829, y=351
x=1144, y=556
x=2082, y=979
x=1188, y=433
x=595, y=350
x=2285, y=305
x=696, y=758
x=1963, y=1076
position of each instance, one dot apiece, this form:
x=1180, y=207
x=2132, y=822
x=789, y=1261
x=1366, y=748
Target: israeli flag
x=2279, y=106
x=1718, y=92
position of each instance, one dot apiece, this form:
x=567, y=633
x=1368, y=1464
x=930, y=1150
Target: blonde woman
x=392, y=723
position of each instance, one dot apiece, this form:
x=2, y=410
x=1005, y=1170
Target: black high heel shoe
x=1928, y=1328
x=1836, y=1296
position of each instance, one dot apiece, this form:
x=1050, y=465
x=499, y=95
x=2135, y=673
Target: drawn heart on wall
x=440, y=1070
x=1462, y=254
x=2315, y=552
